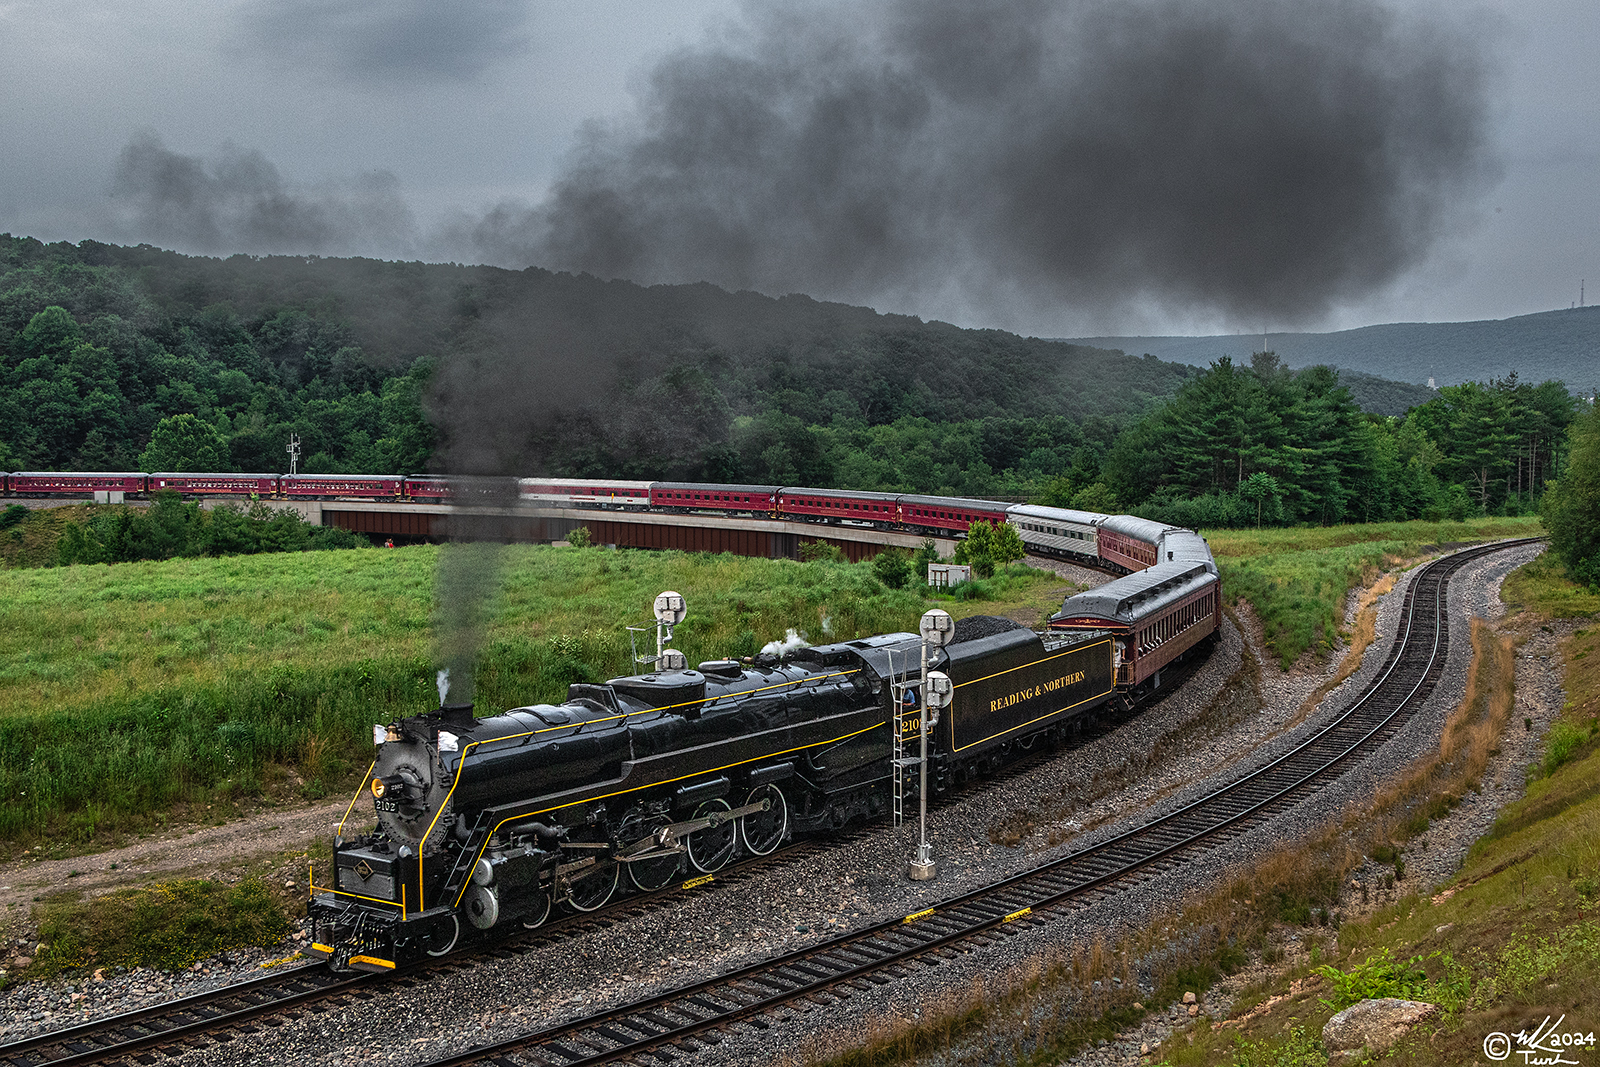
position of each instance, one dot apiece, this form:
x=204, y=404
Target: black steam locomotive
x=487, y=822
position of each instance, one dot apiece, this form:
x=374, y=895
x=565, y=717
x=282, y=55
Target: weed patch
x=1300, y=1048
x=168, y=926
x=1380, y=976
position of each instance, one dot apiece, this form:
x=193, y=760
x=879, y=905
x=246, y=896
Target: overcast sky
x=922, y=156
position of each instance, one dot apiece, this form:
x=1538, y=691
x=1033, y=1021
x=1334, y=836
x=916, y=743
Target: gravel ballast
x=1231, y=715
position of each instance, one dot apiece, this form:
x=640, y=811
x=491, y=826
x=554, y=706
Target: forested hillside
x=1558, y=345
x=376, y=365
x=136, y=358
x=1266, y=445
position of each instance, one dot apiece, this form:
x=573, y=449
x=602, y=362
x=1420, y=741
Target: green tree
x=1260, y=488
x=1571, y=505
x=892, y=567
x=1007, y=545
x=988, y=546
x=185, y=443
x=1098, y=498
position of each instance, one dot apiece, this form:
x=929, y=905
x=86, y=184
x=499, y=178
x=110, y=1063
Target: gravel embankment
x=1229, y=716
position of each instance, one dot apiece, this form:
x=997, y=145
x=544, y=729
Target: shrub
x=1380, y=976
x=892, y=567
x=821, y=552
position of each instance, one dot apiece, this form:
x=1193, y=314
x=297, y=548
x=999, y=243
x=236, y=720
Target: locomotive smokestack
x=457, y=714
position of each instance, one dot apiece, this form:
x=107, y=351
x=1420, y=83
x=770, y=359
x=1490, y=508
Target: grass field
x=127, y=689
x=1297, y=578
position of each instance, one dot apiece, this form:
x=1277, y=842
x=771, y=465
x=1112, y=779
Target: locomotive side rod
x=757, y=989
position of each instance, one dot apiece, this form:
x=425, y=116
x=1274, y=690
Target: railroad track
x=179, y=1025
x=854, y=958
x=185, y=1023
x=754, y=995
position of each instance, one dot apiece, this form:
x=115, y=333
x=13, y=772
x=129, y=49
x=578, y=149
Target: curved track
x=752, y=996
x=872, y=955
x=187, y=1022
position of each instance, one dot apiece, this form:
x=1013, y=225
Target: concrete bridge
x=694, y=532
x=739, y=534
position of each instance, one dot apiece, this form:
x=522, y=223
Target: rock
x=1138, y=1006
x=1372, y=1026
x=1194, y=1010
x=23, y=961
x=99, y=974
x=1190, y=998
x=1144, y=1049
x=288, y=885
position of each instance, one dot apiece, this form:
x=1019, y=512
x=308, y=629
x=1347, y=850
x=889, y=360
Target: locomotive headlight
x=378, y=788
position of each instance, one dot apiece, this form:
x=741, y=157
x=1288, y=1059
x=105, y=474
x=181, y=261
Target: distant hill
x=1564, y=345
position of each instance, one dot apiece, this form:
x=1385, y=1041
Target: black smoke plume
x=467, y=578
x=1001, y=158
x=237, y=201
x=1015, y=162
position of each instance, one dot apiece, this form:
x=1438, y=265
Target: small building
x=944, y=575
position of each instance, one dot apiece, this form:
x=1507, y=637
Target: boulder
x=1373, y=1025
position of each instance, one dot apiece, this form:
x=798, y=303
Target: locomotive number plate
x=386, y=804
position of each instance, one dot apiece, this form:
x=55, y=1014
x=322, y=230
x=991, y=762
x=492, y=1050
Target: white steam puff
x=792, y=641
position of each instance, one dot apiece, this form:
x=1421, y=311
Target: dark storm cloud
x=1248, y=157
x=237, y=201
x=388, y=39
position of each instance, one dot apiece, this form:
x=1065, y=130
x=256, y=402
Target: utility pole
x=294, y=453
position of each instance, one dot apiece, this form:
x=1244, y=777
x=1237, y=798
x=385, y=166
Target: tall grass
x=1297, y=578
x=129, y=688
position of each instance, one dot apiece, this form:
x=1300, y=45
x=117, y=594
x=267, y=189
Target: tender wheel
x=650, y=875
x=591, y=891
x=763, y=831
x=711, y=849
x=540, y=912
x=442, y=938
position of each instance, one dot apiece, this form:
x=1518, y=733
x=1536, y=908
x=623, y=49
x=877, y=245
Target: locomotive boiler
x=484, y=823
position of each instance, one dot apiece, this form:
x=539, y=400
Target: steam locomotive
x=649, y=779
